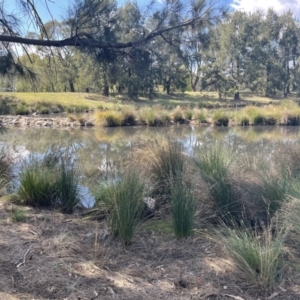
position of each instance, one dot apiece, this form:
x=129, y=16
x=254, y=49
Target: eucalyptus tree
x=288, y=49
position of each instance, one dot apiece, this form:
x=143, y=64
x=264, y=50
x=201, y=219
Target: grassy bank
x=199, y=108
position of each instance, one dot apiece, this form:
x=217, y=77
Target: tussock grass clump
x=108, y=118
x=220, y=118
x=37, y=184
x=201, y=115
x=18, y=215
x=5, y=170
x=22, y=109
x=178, y=115
x=154, y=116
x=51, y=182
x=242, y=118
x=258, y=255
x=214, y=164
x=165, y=163
x=67, y=187
x=182, y=208
x=274, y=188
x=128, y=117
x=255, y=115
x=188, y=113
x=123, y=199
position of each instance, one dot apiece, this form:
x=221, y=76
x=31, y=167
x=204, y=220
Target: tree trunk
x=237, y=96
x=267, y=94
x=168, y=86
x=72, y=88
x=194, y=84
x=106, y=91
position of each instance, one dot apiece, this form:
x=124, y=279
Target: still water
x=103, y=151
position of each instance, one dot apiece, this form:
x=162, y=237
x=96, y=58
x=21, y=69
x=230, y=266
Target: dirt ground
x=56, y=256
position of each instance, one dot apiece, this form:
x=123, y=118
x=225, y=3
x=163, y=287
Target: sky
x=278, y=5
x=58, y=8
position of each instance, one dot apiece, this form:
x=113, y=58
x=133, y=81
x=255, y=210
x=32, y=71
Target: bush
x=182, y=208
x=257, y=255
x=123, y=199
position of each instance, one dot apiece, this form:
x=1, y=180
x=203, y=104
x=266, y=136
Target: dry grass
x=69, y=259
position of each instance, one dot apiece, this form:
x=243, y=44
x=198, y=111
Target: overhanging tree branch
x=85, y=40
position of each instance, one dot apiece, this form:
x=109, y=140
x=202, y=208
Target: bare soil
x=67, y=257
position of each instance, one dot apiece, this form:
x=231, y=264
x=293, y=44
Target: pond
x=101, y=152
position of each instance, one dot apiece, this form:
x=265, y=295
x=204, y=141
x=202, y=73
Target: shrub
x=257, y=255
x=123, y=199
x=182, y=208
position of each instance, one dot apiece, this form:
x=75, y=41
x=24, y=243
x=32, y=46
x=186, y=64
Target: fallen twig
x=273, y=296
x=234, y=297
x=18, y=263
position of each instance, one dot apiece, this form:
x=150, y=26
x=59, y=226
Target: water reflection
x=103, y=151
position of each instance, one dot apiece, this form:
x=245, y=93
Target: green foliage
x=182, y=208
x=123, y=199
x=258, y=255
x=18, y=215
x=51, y=181
x=22, y=109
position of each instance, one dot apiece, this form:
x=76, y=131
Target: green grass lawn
x=95, y=100
x=46, y=103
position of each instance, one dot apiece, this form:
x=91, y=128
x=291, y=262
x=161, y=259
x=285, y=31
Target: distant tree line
x=102, y=47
